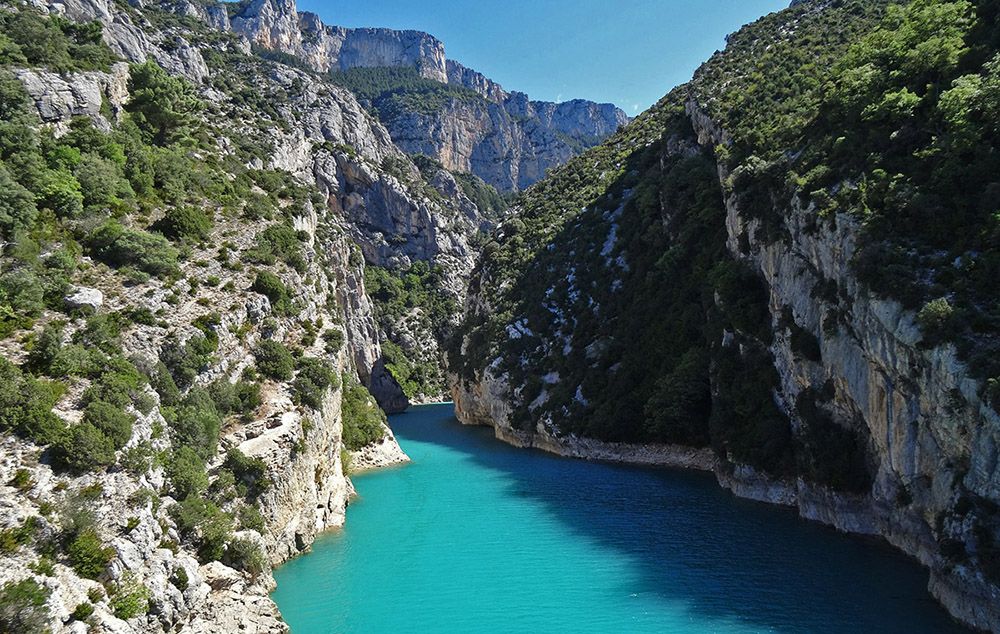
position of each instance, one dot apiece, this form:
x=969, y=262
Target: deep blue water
x=477, y=536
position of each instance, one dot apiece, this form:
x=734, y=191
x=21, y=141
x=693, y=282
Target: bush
x=246, y=555
x=269, y=285
x=334, y=340
x=274, y=360
x=313, y=378
x=82, y=612
x=185, y=360
x=118, y=383
x=196, y=424
x=251, y=472
x=935, y=320
x=242, y=397
x=163, y=107
x=17, y=207
x=22, y=606
x=117, y=245
x=281, y=242
x=205, y=524
x=130, y=598
x=110, y=419
x=251, y=518
x=186, y=471
x=185, y=222
x=362, y=417
x=85, y=448
x=88, y=555
x=26, y=405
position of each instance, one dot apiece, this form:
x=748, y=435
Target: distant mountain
x=472, y=124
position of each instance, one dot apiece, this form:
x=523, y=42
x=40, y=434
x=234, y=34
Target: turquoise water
x=477, y=536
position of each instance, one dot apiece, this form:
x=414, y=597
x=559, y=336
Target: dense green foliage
x=22, y=606
x=274, y=360
x=27, y=38
x=391, y=91
x=363, y=420
x=416, y=295
x=312, y=378
x=885, y=112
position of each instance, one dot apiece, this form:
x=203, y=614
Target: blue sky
x=628, y=52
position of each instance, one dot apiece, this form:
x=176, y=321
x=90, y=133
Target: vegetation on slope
x=391, y=91
x=899, y=132
x=143, y=195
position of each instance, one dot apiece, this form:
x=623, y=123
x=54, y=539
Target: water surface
x=477, y=536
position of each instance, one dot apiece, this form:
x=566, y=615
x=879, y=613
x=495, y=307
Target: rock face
x=59, y=99
x=277, y=25
x=511, y=143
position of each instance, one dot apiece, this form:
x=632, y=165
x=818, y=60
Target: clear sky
x=628, y=52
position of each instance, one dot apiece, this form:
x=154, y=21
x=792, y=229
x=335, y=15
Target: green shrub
x=271, y=286
x=22, y=606
x=251, y=519
x=246, y=555
x=82, y=611
x=274, y=360
x=163, y=107
x=278, y=242
x=110, y=419
x=242, y=397
x=205, y=524
x=88, y=555
x=22, y=480
x=185, y=222
x=26, y=405
x=935, y=320
x=251, y=472
x=118, y=245
x=118, y=383
x=180, y=579
x=334, y=340
x=311, y=382
x=186, y=472
x=362, y=417
x=85, y=448
x=196, y=423
x=184, y=360
x=17, y=206
x=130, y=598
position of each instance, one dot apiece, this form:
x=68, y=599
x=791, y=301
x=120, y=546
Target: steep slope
x=784, y=272
x=185, y=330
x=469, y=123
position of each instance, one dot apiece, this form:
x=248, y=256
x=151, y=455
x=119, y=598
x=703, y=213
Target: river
x=478, y=536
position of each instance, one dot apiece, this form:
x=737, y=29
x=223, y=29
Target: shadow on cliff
x=731, y=560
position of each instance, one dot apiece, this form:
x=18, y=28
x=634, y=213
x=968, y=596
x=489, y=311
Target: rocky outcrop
x=277, y=25
x=58, y=99
x=510, y=144
x=124, y=34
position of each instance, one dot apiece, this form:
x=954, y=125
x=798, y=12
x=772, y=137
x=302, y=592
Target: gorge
x=233, y=237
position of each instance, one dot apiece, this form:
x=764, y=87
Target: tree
x=85, y=447
x=274, y=361
x=163, y=107
x=17, y=206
